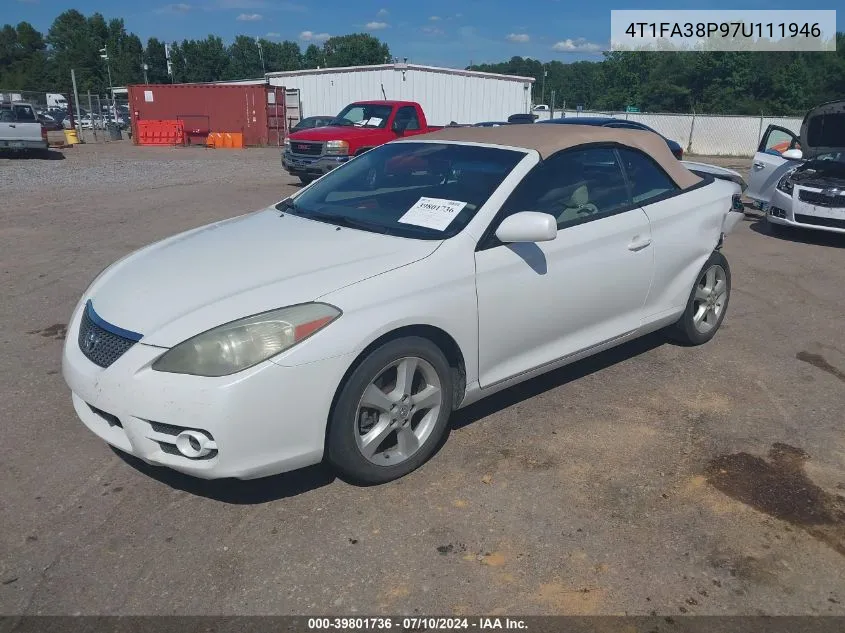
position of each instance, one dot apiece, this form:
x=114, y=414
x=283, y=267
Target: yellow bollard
x=71, y=137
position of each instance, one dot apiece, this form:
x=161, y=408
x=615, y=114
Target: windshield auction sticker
x=433, y=213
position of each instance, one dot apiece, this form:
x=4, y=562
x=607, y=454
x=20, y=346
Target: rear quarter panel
x=685, y=229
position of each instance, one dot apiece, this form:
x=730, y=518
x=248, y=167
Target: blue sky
x=440, y=32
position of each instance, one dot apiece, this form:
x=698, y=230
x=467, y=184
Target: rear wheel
x=707, y=304
x=392, y=412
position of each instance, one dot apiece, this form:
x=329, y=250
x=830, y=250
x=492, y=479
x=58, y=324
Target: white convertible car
x=347, y=322
x=800, y=180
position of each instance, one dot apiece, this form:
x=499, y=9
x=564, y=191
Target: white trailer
x=446, y=94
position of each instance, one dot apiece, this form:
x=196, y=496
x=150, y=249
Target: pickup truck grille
x=821, y=199
x=306, y=148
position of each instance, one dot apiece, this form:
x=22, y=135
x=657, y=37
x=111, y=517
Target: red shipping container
x=251, y=110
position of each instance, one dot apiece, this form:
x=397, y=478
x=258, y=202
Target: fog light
x=194, y=444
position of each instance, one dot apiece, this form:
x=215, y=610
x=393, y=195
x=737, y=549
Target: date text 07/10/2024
x=416, y=623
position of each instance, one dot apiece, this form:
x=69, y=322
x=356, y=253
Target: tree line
x=743, y=82
x=774, y=83
x=31, y=60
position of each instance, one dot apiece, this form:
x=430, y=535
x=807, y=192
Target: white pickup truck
x=20, y=128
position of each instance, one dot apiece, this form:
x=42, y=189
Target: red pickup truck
x=359, y=127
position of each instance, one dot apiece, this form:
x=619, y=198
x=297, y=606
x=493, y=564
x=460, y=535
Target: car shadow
x=237, y=491
x=49, y=154
x=276, y=487
x=557, y=378
x=800, y=235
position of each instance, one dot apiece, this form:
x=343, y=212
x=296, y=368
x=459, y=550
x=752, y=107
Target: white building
x=446, y=94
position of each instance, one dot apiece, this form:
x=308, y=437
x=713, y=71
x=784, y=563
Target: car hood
x=823, y=130
x=333, y=132
x=189, y=283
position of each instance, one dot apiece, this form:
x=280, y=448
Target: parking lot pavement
x=653, y=478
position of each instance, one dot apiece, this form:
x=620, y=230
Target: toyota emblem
x=90, y=342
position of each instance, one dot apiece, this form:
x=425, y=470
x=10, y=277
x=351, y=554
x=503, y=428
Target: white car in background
x=348, y=321
x=800, y=180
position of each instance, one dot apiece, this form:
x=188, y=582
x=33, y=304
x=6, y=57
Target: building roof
x=400, y=67
x=550, y=139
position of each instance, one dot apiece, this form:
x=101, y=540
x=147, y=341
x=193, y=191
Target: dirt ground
x=650, y=479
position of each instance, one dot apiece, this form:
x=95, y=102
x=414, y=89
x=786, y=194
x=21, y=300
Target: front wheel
x=307, y=180
x=707, y=304
x=392, y=412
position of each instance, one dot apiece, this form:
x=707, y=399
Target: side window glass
x=778, y=141
x=7, y=116
x=575, y=187
x=408, y=116
x=646, y=178
x=25, y=113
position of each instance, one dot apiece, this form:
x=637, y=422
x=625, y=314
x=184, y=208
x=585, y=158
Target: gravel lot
x=650, y=479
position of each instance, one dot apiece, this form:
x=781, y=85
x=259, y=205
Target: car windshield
x=425, y=191
x=372, y=115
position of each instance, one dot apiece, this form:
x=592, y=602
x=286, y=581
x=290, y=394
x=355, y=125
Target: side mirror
x=399, y=126
x=793, y=154
x=527, y=226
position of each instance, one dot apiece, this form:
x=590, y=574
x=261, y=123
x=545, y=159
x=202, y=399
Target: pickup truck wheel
x=392, y=412
x=307, y=180
x=707, y=304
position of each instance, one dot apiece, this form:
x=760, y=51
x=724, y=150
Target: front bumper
x=301, y=165
x=789, y=210
x=264, y=420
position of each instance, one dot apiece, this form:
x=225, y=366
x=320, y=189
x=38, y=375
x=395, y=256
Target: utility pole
x=543, y=89
x=76, y=101
x=261, y=56
x=104, y=53
x=146, y=67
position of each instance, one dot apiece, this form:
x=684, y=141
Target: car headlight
x=785, y=184
x=287, y=144
x=337, y=148
x=238, y=345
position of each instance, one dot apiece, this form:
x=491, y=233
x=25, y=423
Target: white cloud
x=241, y=4
x=432, y=31
x=518, y=37
x=382, y=12
x=311, y=36
x=579, y=45
x=174, y=8
x=273, y=35
x=376, y=26
x=434, y=18
x=249, y=17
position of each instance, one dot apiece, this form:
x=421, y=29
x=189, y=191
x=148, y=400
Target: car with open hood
x=347, y=322
x=799, y=180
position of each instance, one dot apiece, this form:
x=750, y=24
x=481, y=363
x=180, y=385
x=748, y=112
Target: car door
x=769, y=165
x=541, y=302
x=28, y=125
x=7, y=124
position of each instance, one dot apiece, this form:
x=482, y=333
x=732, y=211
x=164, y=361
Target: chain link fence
x=705, y=134
x=92, y=115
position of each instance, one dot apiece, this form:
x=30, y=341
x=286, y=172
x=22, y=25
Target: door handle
x=639, y=244
x=758, y=165
x=12, y=125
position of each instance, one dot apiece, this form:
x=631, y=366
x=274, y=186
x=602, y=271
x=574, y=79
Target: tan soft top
x=547, y=139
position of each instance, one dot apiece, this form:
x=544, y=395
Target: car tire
x=307, y=180
x=356, y=432
x=707, y=303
